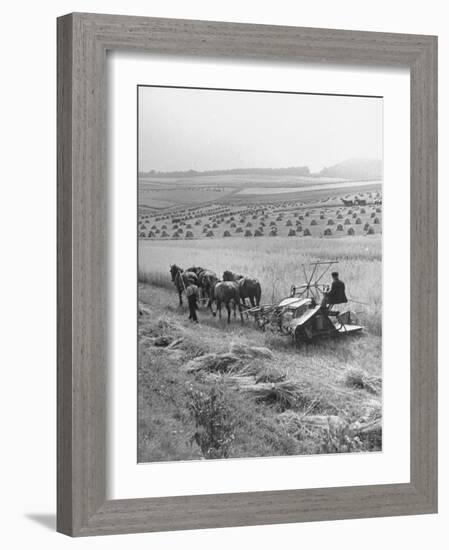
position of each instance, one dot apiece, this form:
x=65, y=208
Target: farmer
x=192, y=297
x=336, y=294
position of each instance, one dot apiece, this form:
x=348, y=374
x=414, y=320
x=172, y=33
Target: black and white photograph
x=259, y=242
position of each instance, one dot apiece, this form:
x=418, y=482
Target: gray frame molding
x=83, y=40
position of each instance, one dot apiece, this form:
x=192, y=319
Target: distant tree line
x=290, y=171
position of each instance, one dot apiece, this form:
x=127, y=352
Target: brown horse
x=182, y=279
x=251, y=289
x=206, y=282
x=248, y=287
x=227, y=292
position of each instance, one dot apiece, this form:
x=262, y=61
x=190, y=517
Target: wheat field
x=276, y=262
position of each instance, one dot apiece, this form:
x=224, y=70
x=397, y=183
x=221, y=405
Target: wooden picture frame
x=83, y=40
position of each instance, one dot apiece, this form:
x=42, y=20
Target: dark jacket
x=336, y=294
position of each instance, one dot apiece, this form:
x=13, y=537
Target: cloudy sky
x=183, y=129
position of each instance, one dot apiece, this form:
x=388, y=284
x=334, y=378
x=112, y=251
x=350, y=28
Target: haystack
x=357, y=378
x=291, y=233
x=376, y=220
x=347, y=221
x=358, y=221
x=258, y=233
x=289, y=223
x=226, y=234
x=328, y=232
x=339, y=227
x=248, y=233
x=351, y=231
x=212, y=362
x=189, y=235
x=330, y=221
x=306, y=232
x=313, y=222
x=253, y=352
x=370, y=231
x=366, y=226
x=286, y=393
x=210, y=234
x=239, y=230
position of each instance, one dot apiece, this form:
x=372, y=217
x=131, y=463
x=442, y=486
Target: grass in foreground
x=200, y=397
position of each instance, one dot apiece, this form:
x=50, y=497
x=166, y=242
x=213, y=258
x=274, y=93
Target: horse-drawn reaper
x=307, y=313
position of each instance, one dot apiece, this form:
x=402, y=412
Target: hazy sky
x=183, y=129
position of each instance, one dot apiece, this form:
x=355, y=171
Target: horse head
x=228, y=275
x=174, y=270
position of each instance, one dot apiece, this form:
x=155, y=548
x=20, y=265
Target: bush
x=215, y=420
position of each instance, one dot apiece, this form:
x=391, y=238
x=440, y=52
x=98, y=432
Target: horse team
x=233, y=290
